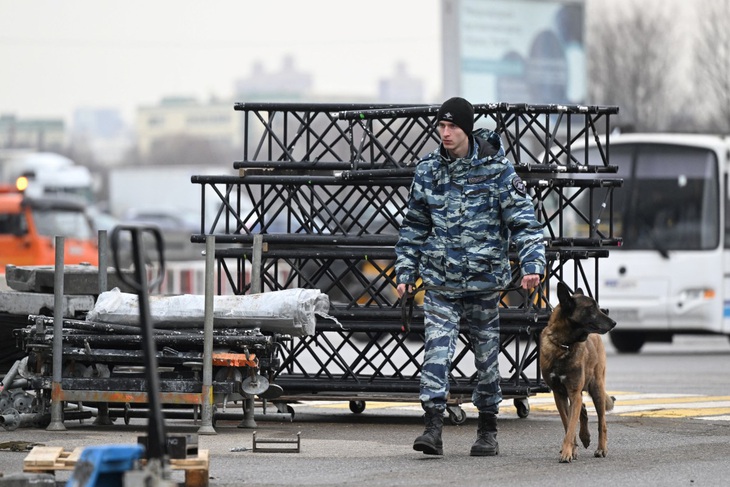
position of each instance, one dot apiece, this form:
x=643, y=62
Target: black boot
x=486, y=444
x=430, y=441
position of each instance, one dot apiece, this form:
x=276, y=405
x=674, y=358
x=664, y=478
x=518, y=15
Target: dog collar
x=561, y=345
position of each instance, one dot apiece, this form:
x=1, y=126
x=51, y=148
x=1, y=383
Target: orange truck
x=28, y=227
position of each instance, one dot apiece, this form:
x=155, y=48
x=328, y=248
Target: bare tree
x=712, y=64
x=632, y=61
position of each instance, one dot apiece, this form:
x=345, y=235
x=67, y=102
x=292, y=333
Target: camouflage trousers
x=442, y=317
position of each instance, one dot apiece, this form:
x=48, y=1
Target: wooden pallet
x=52, y=458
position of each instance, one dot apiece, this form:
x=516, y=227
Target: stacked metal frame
x=326, y=185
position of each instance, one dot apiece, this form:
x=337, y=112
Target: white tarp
x=291, y=311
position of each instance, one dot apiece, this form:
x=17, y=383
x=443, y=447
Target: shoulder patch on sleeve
x=519, y=186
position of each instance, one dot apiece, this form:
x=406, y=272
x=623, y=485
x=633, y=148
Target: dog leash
x=407, y=301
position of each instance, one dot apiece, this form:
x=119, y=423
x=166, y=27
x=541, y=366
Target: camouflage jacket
x=461, y=216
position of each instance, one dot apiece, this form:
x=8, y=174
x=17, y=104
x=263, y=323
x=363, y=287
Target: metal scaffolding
x=326, y=187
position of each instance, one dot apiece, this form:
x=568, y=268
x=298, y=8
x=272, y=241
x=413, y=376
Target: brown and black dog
x=573, y=360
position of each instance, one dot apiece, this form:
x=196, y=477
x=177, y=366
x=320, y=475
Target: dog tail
x=610, y=400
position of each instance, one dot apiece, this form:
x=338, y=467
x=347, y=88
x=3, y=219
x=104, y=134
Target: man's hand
x=404, y=288
x=530, y=280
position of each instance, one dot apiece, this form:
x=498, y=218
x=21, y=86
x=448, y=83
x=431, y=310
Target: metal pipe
x=112, y=328
x=56, y=392
x=313, y=107
x=192, y=341
x=363, y=241
x=249, y=421
x=206, y=424
x=484, y=108
x=103, y=241
x=10, y=376
x=258, y=249
x=19, y=384
x=313, y=165
x=102, y=417
x=307, y=180
x=11, y=419
x=184, y=414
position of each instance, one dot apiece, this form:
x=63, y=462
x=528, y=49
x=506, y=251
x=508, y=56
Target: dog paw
x=569, y=455
x=600, y=453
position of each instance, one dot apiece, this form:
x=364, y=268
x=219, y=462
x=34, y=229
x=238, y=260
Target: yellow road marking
x=672, y=400
x=544, y=403
x=680, y=413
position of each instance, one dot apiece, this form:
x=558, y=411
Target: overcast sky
x=60, y=55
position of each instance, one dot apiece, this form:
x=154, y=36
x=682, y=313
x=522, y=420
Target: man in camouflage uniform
x=466, y=203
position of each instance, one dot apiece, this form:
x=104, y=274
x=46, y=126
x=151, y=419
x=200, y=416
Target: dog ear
x=578, y=292
x=567, y=304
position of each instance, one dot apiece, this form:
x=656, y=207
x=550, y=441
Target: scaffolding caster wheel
x=357, y=406
x=523, y=407
x=127, y=413
x=457, y=415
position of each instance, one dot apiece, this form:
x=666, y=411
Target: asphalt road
x=650, y=443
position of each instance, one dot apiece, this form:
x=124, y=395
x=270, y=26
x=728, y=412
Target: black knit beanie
x=459, y=112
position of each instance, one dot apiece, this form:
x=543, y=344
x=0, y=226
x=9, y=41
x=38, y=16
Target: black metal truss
x=364, y=358
x=351, y=136
x=326, y=187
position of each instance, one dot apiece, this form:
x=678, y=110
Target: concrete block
x=77, y=279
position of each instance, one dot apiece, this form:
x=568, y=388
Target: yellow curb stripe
x=543, y=403
x=679, y=413
x=672, y=400
x=638, y=402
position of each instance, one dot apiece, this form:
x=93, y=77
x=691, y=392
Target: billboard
x=516, y=51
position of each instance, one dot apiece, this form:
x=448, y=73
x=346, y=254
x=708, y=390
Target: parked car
x=176, y=228
x=165, y=219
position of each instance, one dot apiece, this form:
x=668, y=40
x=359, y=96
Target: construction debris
x=283, y=442
x=290, y=311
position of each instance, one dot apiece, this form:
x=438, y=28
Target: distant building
x=39, y=134
x=103, y=133
x=401, y=87
x=166, y=125
x=215, y=122
x=286, y=84
x=103, y=123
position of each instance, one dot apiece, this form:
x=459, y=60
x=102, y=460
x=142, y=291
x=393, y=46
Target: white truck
x=45, y=174
x=164, y=196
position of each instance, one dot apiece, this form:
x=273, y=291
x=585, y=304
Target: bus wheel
x=626, y=341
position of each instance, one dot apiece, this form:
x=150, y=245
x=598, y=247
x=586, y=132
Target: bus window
x=669, y=198
x=592, y=203
x=673, y=200
x=622, y=156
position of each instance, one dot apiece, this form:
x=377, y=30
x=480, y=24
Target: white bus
x=671, y=274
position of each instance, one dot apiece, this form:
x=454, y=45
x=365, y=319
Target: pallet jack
x=120, y=465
